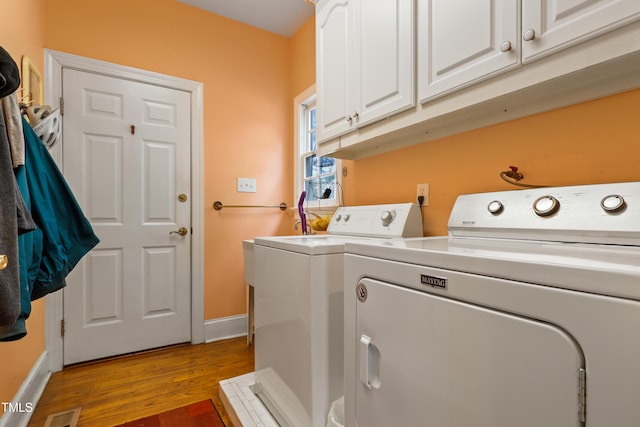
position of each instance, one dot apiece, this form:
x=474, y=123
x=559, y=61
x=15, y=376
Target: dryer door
x=424, y=360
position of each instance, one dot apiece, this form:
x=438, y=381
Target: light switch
x=246, y=185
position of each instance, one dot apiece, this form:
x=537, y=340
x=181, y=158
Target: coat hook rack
x=217, y=205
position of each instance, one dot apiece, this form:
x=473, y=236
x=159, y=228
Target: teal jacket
x=63, y=235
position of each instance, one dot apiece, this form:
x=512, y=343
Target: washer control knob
x=613, y=203
x=346, y=217
x=496, y=207
x=546, y=206
x=338, y=217
x=387, y=217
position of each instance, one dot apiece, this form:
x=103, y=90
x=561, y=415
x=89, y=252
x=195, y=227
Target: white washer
x=298, y=300
x=527, y=314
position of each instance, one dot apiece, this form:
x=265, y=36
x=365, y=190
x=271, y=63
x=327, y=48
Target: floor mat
x=200, y=414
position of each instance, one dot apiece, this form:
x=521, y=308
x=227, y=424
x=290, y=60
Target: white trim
x=317, y=205
x=300, y=98
x=225, y=327
x=30, y=392
x=54, y=63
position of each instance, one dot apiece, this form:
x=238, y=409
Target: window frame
x=300, y=102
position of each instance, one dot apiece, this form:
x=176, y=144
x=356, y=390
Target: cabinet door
x=385, y=51
x=463, y=42
x=550, y=25
x=334, y=73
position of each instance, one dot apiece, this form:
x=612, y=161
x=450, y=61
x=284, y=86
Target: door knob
x=181, y=231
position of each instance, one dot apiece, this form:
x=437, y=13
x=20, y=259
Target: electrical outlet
x=423, y=190
x=246, y=185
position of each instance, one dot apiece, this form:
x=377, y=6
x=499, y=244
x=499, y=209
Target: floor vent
x=63, y=419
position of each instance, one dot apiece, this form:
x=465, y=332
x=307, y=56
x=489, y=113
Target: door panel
x=335, y=76
x=126, y=156
x=386, y=63
x=462, y=42
x=104, y=154
x=561, y=23
x=434, y=361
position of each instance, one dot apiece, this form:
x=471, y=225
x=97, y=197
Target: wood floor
x=127, y=388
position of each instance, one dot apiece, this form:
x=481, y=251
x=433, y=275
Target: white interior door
x=428, y=360
x=126, y=156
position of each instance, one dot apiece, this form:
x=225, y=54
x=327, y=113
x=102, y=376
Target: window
x=316, y=175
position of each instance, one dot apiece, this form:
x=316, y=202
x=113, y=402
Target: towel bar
x=217, y=205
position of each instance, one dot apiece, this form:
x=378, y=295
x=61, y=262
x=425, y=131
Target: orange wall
x=594, y=142
x=303, y=58
x=18, y=357
x=247, y=120
x=250, y=78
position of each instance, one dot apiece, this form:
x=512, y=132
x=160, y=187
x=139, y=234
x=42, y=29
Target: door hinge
x=62, y=327
x=582, y=395
x=61, y=106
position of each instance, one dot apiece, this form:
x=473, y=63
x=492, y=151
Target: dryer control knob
x=546, y=206
x=496, y=207
x=387, y=217
x=338, y=217
x=613, y=203
x=346, y=217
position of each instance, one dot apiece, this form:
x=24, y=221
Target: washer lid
x=602, y=269
x=320, y=244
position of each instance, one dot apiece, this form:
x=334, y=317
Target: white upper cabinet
x=550, y=25
x=463, y=41
x=334, y=77
x=479, y=62
x=365, y=62
x=386, y=51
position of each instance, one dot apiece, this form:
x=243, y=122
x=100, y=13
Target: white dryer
x=527, y=314
x=298, y=303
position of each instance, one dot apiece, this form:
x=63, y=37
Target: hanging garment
x=9, y=275
x=67, y=234
x=62, y=238
x=13, y=122
x=30, y=252
x=9, y=74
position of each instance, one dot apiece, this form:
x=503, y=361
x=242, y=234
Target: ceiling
x=282, y=17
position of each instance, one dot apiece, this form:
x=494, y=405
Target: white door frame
x=54, y=62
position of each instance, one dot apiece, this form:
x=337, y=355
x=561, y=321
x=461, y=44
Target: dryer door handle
x=369, y=363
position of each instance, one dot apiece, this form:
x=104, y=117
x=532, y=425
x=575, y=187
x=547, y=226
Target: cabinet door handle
x=505, y=46
x=352, y=117
x=529, y=35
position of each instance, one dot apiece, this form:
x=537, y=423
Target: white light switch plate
x=246, y=185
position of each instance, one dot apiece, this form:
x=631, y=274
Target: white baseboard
x=27, y=397
x=225, y=327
